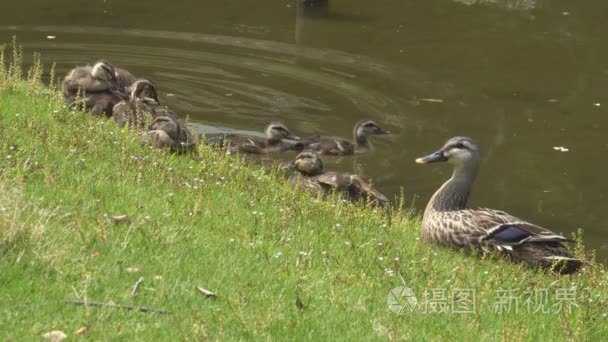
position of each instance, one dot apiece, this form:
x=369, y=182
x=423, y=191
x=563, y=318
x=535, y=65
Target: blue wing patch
x=510, y=233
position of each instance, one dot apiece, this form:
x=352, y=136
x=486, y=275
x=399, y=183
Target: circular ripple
x=237, y=81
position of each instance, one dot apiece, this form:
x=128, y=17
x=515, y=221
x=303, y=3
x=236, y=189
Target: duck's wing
x=359, y=188
x=102, y=103
x=133, y=113
x=332, y=146
x=250, y=148
x=524, y=241
x=306, y=183
x=122, y=112
x=216, y=140
x=70, y=84
x=507, y=230
x=333, y=180
x=124, y=78
x=187, y=140
x=309, y=140
x=157, y=138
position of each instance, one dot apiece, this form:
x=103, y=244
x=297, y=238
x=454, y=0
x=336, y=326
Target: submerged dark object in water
x=313, y=8
x=314, y=3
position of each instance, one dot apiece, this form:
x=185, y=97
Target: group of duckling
x=102, y=89
x=448, y=221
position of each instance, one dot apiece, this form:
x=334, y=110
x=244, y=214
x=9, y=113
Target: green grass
x=285, y=265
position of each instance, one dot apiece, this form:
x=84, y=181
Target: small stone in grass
x=121, y=219
x=132, y=270
x=55, y=336
x=206, y=293
x=81, y=331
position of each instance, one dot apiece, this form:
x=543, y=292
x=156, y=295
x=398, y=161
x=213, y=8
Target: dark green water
x=521, y=77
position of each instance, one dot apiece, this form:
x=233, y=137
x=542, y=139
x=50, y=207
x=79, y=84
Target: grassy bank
x=283, y=264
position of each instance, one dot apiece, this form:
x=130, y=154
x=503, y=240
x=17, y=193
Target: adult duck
x=449, y=222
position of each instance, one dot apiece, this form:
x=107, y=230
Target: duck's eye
x=460, y=146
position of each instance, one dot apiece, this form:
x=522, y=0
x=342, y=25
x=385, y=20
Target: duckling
x=98, y=85
x=169, y=132
x=274, y=141
x=311, y=177
x=124, y=78
x=339, y=146
x=144, y=88
x=450, y=222
x=102, y=76
x=142, y=107
x=89, y=79
x=100, y=103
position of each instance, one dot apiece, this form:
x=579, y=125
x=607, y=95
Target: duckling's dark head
x=457, y=151
x=276, y=131
x=144, y=88
x=309, y=163
x=104, y=70
x=368, y=127
x=166, y=124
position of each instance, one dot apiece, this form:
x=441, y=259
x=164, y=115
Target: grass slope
x=285, y=265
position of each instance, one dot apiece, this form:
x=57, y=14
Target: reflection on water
x=521, y=5
x=426, y=70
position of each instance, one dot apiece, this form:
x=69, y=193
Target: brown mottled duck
x=449, y=222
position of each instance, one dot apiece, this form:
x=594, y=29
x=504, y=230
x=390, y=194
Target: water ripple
x=228, y=79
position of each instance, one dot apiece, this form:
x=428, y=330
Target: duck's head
x=166, y=124
x=307, y=163
x=457, y=151
x=368, y=127
x=144, y=88
x=276, y=131
x=104, y=70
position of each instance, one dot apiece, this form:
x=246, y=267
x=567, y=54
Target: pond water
x=519, y=76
